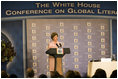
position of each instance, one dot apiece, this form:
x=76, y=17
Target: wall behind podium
x=88, y=39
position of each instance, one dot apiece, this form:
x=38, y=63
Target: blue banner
x=34, y=8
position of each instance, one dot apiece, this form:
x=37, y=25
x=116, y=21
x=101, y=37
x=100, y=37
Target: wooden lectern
x=58, y=53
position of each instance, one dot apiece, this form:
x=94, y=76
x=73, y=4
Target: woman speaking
x=55, y=44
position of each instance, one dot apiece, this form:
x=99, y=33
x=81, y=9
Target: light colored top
x=53, y=45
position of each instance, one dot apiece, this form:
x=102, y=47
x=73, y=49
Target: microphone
x=57, y=45
x=60, y=44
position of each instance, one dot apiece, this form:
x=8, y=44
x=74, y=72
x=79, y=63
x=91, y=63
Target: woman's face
x=55, y=38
